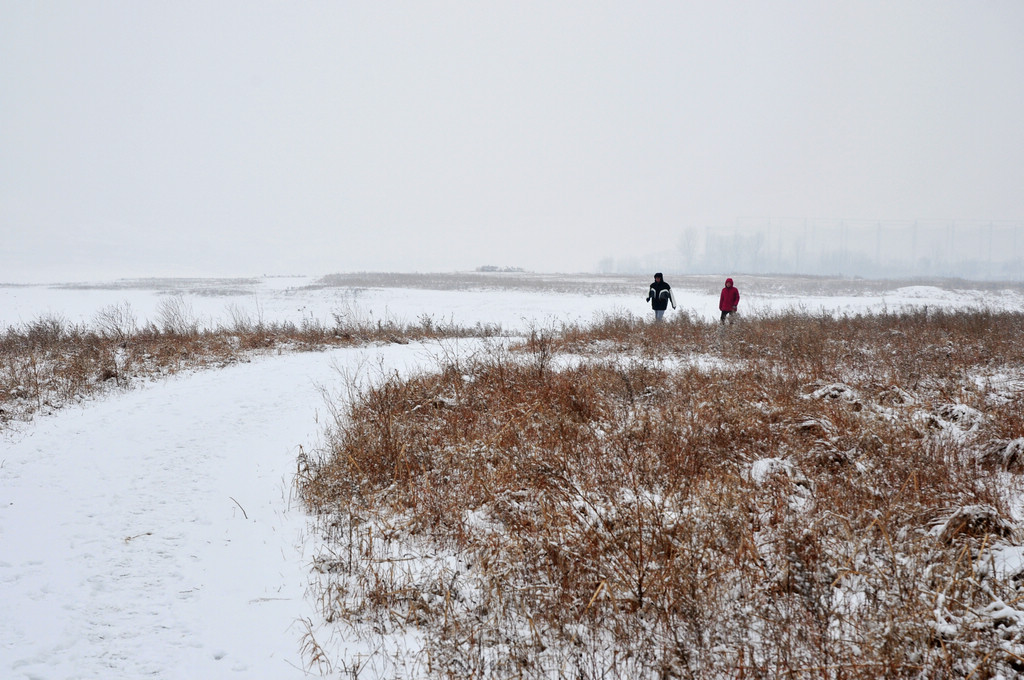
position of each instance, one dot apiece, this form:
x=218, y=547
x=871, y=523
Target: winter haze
x=245, y=138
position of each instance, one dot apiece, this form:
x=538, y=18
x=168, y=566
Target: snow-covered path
x=153, y=534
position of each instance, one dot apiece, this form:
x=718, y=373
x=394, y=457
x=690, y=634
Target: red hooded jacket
x=730, y=298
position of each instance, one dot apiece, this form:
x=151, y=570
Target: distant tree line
x=868, y=248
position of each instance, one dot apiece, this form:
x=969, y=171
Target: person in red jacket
x=729, y=300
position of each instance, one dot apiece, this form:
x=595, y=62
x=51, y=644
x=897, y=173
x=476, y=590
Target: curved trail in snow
x=153, y=533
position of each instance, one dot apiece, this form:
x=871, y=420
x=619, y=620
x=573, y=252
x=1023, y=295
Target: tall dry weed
x=792, y=496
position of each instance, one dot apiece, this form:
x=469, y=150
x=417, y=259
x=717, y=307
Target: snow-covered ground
x=153, y=533
x=218, y=302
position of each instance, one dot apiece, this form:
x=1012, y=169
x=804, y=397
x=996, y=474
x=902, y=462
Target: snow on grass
x=153, y=532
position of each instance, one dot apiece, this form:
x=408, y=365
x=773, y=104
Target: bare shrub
x=176, y=316
x=117, y=322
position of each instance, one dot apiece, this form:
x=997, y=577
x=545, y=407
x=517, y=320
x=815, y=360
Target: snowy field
x=513, y=302
x=153, y=533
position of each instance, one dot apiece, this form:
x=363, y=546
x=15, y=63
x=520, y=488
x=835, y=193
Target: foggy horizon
x=263, y=138
x=896, y=249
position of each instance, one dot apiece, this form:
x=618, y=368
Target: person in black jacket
x=660, y=295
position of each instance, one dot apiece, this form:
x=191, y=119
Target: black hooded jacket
x=660, y=295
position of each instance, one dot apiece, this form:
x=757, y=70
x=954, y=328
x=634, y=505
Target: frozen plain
x=153, y=532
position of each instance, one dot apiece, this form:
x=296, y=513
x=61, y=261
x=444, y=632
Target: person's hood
x=728, y=282
x=659, y=276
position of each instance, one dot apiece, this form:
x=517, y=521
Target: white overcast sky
x=249, y=137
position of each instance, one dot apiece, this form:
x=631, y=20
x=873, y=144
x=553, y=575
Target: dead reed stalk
x=793, y=496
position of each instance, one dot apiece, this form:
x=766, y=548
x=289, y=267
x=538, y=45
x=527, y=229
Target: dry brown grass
x=49, y=363
x=629, y=284
x=789, y=497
